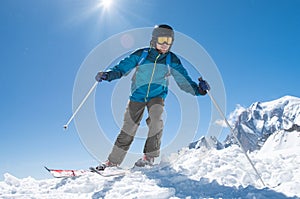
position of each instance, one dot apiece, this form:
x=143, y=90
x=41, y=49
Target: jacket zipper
x=151, y=79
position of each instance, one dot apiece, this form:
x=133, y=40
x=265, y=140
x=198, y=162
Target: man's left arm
x=185, y=82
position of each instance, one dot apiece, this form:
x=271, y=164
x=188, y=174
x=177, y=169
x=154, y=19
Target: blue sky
x=255, y=45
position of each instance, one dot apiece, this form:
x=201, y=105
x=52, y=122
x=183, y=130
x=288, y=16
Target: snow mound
x=190, y=173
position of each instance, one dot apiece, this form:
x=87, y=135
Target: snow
x=282, y=140
x=253, y=125
x=190, y=173
x=202, y=170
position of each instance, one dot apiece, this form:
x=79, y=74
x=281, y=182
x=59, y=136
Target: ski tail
x=64, y=173
x=47, y=168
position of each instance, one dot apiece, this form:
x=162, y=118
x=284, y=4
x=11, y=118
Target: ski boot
x=145, y=161
x=104, y=165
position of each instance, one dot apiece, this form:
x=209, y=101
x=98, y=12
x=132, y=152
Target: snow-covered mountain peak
x=207, y=142
x=255, y=124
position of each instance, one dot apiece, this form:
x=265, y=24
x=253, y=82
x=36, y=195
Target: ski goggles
x=164, y=40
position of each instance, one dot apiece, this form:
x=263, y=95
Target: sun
x=106, y=4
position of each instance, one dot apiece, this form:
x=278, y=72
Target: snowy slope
x=256, y=123
x=192, y=173
x=201, y=170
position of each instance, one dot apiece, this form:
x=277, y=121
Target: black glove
x=101, y=76
x=203, y=86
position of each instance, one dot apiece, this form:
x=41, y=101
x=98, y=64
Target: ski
x=67, y=173
x=110, y=172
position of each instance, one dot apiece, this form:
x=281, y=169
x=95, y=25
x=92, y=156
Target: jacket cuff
x=202, y=92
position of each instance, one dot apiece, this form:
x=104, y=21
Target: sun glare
x=106, y=4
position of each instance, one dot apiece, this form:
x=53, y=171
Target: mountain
x=207, y=142
x=255, y=124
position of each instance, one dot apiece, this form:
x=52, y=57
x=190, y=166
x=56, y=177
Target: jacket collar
x=154, y=52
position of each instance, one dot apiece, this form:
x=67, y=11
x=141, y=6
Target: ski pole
x=80, y=105
x=232, y=132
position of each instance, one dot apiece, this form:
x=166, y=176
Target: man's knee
x=124, y=140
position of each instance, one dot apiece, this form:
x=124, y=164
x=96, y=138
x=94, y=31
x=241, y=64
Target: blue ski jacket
x=150, y=79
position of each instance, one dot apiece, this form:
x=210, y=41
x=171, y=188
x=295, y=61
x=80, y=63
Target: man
x=149, y=88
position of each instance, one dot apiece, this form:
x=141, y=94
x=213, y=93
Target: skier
x=149, y=88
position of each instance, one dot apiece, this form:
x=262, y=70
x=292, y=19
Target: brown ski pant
x=132, y=118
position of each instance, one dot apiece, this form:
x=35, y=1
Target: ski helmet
x=162, y=30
